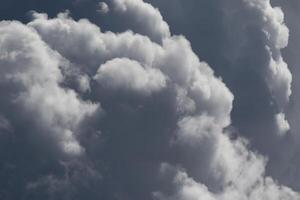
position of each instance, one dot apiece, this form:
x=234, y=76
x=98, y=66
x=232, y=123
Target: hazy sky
x=149, y=100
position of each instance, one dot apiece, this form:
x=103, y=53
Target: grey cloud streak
x=131, y=116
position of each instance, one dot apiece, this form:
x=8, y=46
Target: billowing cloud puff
x=279, y=78
x=282, y=123
x=125, y=74
x=103, y=8
x=236, y=172
x=189, y=189
x=262, y=22
x=168, y=143
x=31, y=70
x=174, y=58
x=146, y=18
x=273, y=22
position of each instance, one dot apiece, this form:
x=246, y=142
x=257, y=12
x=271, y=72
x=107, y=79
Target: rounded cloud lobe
x=30, y=69
x=146, y=18
x=125, y=74
x=261, y=35
x=125, y=115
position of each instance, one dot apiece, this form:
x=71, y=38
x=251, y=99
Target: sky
x=149, y=99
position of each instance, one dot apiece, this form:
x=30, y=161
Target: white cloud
x=103, y=8
x=131, y=62
x=189, y=189
x=29, y=65
x=174, y=58
x=273, y=22
x=148, y=19
x=255, y=40
x=279, y=78
x=31, y=55
x=282, y=123
x=125, y=74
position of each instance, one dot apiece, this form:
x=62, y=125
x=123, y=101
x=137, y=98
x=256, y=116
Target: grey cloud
x=146, y=19
x=169, y=144
x=232, y=37
x=32, y=69
x=125, y=74
x=211, y=115
x=274, y=34
x=282, y=123
x=187, y=188
x=287, y=170
x=103, y=8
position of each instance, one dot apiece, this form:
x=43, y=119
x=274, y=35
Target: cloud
x=125, y=74
x=192, y=190
x=277, y=35
x=236, y=172
x=102, y=8
x=283, y=125
x=229, y=161
x=245, y=48
x=288, y=173
x=31, y=70
x=172, y=141
x=267, y=25
x=246, y=54
x=146, y=19
x=4, y=124
x=84, y=83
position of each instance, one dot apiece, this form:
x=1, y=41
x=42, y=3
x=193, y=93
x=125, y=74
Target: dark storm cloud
x=135, y=114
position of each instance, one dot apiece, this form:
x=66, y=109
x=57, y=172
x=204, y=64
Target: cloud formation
x=31, y=70
x=103, y=8
x=263, y=23
x=125, y=74
x=146, y=19
x=131, y=115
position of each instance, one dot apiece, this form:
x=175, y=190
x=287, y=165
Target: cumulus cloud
x=289, y=168
x=247, y=54
x=170, y=142
x=147, y=19
x=276, y=34
x=187, y=188
x=236, y=172
x=279, y=78
x=282, y=123
x=125, y=74
x=102, y=8
x=31, y=70
x=266, y=23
